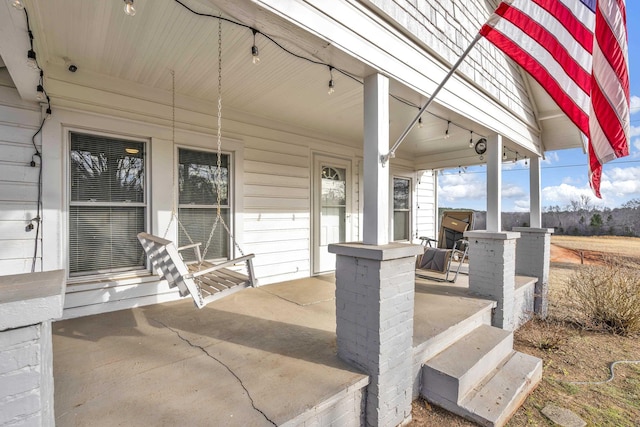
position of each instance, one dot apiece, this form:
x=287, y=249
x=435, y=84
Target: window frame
x=410, y=210
x=231, y=165
x=93, y=275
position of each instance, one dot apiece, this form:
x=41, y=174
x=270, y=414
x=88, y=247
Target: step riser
x=454, y=389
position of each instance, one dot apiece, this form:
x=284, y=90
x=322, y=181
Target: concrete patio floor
x=263, y=356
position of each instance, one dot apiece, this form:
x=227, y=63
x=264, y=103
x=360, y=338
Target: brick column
x=374, y=323
x=533, y=254
x=492, y=272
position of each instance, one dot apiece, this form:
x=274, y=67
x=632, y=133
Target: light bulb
x=31, y=59
x=255, y=53
x=446, y=132
x=504, y=155
x=331, y=87
x=526, y=161
x=128, y=8
x=40, y=96
x=420, y=123
x=470, y=142
x=17, y=4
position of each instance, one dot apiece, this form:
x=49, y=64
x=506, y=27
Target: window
x=401, y=209
x=198, y=201
x=107, y=206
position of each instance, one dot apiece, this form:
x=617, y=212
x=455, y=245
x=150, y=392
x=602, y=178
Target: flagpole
x=392, y=153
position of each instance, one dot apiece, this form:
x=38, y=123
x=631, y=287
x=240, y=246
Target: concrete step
x=458, y=369
x=493, y=401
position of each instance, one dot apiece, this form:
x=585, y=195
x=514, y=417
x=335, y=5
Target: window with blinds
x=198, y=201
x=107, y=206
x=401, y=208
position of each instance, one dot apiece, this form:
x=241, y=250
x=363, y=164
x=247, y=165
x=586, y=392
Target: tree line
x=579, y=218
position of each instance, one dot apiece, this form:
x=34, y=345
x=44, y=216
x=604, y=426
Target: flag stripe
x=569, y=16
x=548, y=38
x=608, y=24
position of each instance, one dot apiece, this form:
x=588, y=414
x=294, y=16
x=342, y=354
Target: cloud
x=635, y=131
x=512, y=191
x=521, y=205
x=621, y=182
x=635, y=104
x=456, y=187
x=562, y=195
x=550, y=157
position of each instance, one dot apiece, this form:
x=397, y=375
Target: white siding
x=446, y=28
x=19, y=120
x=426, y=205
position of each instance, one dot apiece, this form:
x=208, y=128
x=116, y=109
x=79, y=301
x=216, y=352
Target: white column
x=535, y=205
x=494, y=183
x=376, y=177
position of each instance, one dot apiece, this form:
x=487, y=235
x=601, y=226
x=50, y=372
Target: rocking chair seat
x=203, y=280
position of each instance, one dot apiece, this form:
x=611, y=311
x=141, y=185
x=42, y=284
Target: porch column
x=533, y=255
x=492, y=272
x=535, y=206
x=494, y=182
x=376, y=177
x=374, y=323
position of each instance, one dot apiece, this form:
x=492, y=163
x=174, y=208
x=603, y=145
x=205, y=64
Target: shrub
x=607, y=296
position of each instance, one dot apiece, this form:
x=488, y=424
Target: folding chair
x=451, y=250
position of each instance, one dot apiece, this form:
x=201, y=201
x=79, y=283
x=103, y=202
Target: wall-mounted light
x=128, y=8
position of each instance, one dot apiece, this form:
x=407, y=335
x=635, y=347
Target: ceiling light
x=17, y=4
x=446, y=133
x=128, y=7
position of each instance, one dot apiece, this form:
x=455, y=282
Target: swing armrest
x=196, y=249
x=219, y=266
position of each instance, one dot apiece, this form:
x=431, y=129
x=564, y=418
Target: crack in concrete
x=204, y=350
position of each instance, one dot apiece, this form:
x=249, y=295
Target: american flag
x=577, y=51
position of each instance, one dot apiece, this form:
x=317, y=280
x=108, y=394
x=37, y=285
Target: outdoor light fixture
x=254, y=49
x=331, y=85
x=17, y=4
x=40, y=96
x=31, y=59
x=446, y=132
x=128, y=7
x=420, y=122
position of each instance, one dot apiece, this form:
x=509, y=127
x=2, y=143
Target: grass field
x=572, y=354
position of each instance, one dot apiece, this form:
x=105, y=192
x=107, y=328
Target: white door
x=332, y=197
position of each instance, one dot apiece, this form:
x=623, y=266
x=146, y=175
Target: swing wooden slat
x=204, y=281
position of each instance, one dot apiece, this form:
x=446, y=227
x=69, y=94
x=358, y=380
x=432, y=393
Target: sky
x=564, y=173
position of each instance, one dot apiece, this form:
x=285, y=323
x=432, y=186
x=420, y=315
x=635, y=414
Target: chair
x=452, y=248
x=203, y=280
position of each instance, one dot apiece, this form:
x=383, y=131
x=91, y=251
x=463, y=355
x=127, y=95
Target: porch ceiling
x=113, y=50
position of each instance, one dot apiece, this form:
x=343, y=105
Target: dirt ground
x=571, y=354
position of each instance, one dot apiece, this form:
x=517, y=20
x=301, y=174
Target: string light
x=471, y=140
x=128, y=8
x=40, y=96
x=31, y=59
x=331, y=84
x=504, y=153
x=255, y=53
x=420, y=122
x=17, y=4
x=446, y=132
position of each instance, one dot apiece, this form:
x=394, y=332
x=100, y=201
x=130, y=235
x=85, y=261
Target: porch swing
x=205, y=281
